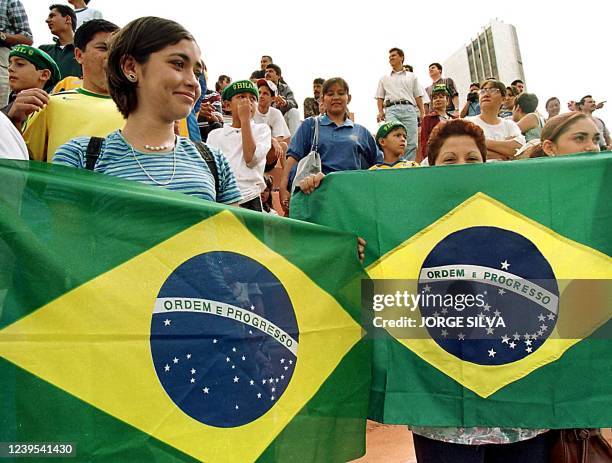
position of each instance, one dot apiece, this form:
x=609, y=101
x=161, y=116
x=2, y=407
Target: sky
x=565, y=54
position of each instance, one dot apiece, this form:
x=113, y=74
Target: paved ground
x=393, y=444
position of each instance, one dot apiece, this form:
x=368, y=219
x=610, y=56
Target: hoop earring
x=131, y=77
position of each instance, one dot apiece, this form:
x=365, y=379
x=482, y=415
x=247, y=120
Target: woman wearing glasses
x=503, y=136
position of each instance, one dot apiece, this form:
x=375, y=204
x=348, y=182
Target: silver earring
x=131, y=77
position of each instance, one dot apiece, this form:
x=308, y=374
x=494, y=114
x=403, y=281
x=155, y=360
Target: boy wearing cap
x=391, y=139
x=30, y=67
x=440, y=99
x=266, y=114
x=244, y=143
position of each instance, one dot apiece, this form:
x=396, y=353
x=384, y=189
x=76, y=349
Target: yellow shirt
x=395, y=165
x=69, y=83
x=69, y=115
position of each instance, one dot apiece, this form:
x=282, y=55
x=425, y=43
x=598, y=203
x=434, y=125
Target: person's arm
x=289, y=99
x=380, y=103
x=456, y=102
x=465, y=109
x=246, y=132
x=18, y=17
x=27, y=102
x=506, y=148
x=528, y=122
x=16, y=39
x=284, y=193
x=419, y=102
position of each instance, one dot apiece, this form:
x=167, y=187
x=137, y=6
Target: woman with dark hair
x=153, y=69
x=567, y=133
x=342, y=144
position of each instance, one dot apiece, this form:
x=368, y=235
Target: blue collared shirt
x=348, y=146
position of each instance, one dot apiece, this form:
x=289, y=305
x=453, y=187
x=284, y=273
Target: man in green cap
x=244, y=143
x=391, y=139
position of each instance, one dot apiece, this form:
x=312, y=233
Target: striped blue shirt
x=192, y=176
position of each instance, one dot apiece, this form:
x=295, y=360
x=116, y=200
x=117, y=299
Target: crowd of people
x=136, y=102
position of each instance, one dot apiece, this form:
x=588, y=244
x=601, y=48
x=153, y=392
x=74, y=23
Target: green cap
x=384, y=129
x=39, y=59
x=440, y=88
x=240, y=86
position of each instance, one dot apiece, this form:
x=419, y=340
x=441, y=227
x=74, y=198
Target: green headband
x=385, y=129
x=39, y=59
x=240, y=86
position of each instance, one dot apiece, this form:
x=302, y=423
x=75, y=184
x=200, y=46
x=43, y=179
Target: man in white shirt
x=83, y=12
x=503, y=136
x=244, y=143
x=12, y=145
x=273, y=118
x=398, y=96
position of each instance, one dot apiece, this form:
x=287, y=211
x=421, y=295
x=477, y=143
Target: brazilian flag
x=140, y=325
x=533, y=239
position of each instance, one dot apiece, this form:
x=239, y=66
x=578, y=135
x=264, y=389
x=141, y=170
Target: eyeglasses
x=490, y=91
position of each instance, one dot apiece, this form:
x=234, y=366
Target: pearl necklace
x=156, y=148
x=145, y=171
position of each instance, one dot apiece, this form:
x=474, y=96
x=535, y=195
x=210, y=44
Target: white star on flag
x=167, y=367
x=193, y=370
x=492, y=353
x=505, y=339
x=426, y=288
x=489, y=330
x=251, y=382
x=282, y=360
x=227, y=359
x=505, y=265
x=512, y=345
x=175, y=360
x=529, y=350
x=542, y=318
x=236, y=379
x=215, y=341
x=272, y=398
x=252, y=307
x=528, y=342
x=243, y=357
x=461, y=337
x=543, y=327
x=501, y=292
x=486, y=307
x=167, y=322
x=237, y=407
x=497, y=313
x=444, y=311
x=444, y=333
x=233, y=349
x=192, y=380
x=516, y=336
x=259, y=395
x=188, y=356
x=551, y=316
x=205, y=390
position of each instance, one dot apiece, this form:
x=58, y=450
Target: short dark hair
x=517, y=81
x=438, y=65
x=138, y=40
x=276, y=68
x=583, y=99
x=475, y=84
x=454, y=128
x=220, y=79
x=408, y=67
x=399, y=51
x=335, y=80
x=318, y=81
x=65, y=10
x=86, y=32
x=528, y=102
x=269, y=57
x=552, y=98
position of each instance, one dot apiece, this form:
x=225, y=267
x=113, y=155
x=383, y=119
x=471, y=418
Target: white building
x=493, y=53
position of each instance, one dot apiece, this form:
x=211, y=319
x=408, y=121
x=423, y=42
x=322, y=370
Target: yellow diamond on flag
x=124, y=342
x=538, y=281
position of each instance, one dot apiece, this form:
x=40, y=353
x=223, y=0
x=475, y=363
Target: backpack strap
x=93, y=152
x=208, y=157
